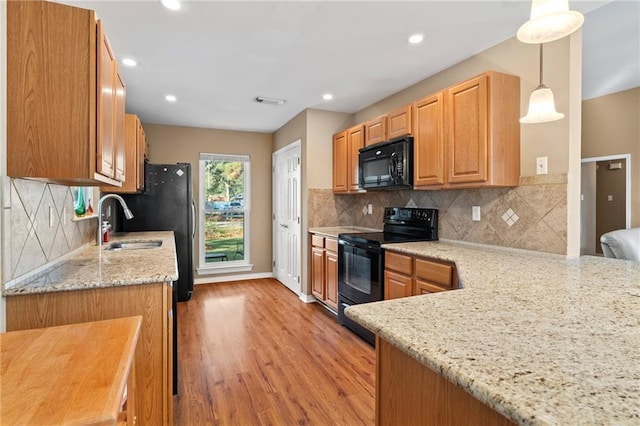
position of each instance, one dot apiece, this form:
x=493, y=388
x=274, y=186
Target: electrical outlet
x=609, y=197
x=51, y=217
x=475, y=213
x=370, y=208
x=541, y=165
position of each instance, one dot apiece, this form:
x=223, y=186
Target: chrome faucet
x=127, y=213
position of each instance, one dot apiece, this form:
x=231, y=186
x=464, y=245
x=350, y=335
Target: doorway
x=286, y=216
x=605, y=199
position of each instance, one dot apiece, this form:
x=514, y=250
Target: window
x=224, y=213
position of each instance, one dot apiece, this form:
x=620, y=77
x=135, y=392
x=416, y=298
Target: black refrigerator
x=167, y=205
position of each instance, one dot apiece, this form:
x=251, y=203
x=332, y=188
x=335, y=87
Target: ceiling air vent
x=271, y=101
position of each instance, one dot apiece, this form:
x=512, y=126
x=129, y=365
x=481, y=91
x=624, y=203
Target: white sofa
x=622, y=244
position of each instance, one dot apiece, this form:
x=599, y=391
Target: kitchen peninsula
x=95, y=284
x=538, y=338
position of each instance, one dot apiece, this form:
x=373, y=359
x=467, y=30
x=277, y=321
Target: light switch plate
x=475, y=213
x=370, y=208
x=541, y=165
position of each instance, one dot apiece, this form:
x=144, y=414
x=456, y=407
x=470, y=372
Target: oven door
x=360, y=273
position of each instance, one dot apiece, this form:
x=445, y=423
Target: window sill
x=224, y=269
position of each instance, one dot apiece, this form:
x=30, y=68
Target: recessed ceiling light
x=170, y=98
x=272, y=101
x=172, y=4
x=129, y=62
x=416, y=38
x=327, y=96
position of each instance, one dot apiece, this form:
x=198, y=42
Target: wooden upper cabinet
x=52, y=90
x=118, y=133
x=106, y=105
x=340, y=162
x=428, y=143
x=376, y=130
x=483, y=131
x=355, y=141
x=400, y=122
x=134, y=155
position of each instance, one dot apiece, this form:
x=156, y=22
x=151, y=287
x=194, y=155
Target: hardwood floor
x=251, y=353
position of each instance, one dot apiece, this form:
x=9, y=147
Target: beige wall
x=172, y=144
x=611, y=125
x=513, y=57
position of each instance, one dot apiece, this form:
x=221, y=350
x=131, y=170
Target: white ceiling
x=216, y=56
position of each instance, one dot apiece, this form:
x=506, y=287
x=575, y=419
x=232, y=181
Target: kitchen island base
x=409, y=393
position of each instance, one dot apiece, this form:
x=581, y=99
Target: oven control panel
x=410, y=215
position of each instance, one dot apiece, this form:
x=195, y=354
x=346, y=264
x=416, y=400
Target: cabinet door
x=118, y=134
x=400, y=122
x=106, y=98
x=467, y=131
x=340, y=162
x=376, y=130
x=141, y=144
x=428, y=144
x=355, y=139
x=396, y=285
x=317, y=273
x=331, y=268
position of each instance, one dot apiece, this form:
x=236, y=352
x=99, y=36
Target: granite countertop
x=539, y=338
x=333, y=231
x=96, y=267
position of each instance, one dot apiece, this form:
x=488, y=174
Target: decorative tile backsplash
x=532, y=216
x=38, y=226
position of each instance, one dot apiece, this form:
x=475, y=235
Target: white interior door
x=286, y=216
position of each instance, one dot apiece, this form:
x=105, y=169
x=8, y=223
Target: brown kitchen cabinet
x=65, y=100
x=376, y=130
x=324, y=270
x=346, y=147
x=428, y=142
x=153, y=358
x=135, y=154
x=483, y=131
x=406, y=275
x=400, y=122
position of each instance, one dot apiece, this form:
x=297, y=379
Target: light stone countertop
x=333, y=231
x=539, y=338
x=94, y=267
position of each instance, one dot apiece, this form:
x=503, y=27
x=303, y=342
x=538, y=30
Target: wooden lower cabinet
x=324, y=270
x=153, y=359
x=410, y=393
x=406, y=275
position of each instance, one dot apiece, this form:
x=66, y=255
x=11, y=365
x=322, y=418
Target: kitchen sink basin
x=134, y=245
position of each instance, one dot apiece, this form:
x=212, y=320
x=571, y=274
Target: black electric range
x=361, y=259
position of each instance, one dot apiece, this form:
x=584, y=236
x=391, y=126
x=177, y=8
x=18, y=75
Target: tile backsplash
x=532, y=216
x=38, y=225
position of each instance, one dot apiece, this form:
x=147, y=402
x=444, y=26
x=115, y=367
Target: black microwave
x=387, y=165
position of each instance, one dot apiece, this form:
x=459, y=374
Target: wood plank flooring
x=251, y=353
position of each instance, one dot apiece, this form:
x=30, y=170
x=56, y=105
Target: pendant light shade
x=550, y=20
x=542, y=106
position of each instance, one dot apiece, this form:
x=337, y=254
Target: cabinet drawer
x=398, y=262
x=437, y=273
x=423, y=287
x=331, y=244
x=317, y=241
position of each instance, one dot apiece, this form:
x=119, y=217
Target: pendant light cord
x=540, y=64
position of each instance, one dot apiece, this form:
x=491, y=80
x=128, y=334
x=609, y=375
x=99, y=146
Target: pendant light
x=542, y=106
x=550, y=20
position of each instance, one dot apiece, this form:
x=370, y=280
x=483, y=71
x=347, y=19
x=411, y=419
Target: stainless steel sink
x=134, y=245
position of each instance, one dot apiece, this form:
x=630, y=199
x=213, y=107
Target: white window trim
x=230, y=266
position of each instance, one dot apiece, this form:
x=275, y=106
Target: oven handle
x=367, y=247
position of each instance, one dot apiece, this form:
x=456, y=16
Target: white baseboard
x=228, y=278
x=307, y=298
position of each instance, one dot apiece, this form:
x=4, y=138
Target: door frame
x=626, y=157
x=293, y=145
